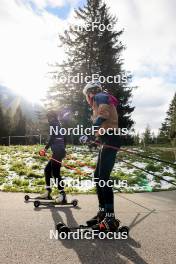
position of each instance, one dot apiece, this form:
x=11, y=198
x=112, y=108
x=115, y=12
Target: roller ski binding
x=111, y=224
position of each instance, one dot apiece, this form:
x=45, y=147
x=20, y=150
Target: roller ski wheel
x=36, y=204
x=26, y=198
x=74, y=202
x=59, y=225
x=64, y=229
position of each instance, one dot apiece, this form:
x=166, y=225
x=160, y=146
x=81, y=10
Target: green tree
x=41, y=125
x=147, y=136
x=2, y=122
x=163, y=136
x=167, y=131
x=19, y=128
x=137, y=139
x=8, y=121
x=172, y=118
x=91, y=52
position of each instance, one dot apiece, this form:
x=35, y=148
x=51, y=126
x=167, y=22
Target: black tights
x=53, y=169
x=105, y=164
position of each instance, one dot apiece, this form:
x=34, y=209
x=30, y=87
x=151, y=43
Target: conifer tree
x=8, y=121
x=92, y=52
x=168, y=127
x=19, y=123
x=147, y=136
x=2, y=122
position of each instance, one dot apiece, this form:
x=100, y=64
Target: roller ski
x=59, y=200
x=44, y=196
x=107, y=226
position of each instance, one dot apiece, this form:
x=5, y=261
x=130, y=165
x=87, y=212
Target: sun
x=31, y=84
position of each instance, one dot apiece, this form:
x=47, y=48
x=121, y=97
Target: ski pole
x=151, y=173
x=65, y=165
x=135, y=153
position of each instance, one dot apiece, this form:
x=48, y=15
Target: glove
x=94, y=141
x=42, y=152
x=83, y=139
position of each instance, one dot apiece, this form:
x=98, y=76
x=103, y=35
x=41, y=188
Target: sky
x=29, y=44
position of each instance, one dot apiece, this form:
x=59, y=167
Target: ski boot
x=61, y=198
x=45, y=196
x=96, y=219
x=109, y=223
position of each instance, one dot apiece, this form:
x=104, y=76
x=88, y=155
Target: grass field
x=22, y=170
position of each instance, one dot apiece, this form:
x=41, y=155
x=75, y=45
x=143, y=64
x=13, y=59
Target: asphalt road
x=25, y=231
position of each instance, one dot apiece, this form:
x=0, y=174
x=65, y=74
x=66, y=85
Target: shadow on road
x=97, y=250
x=135, y=222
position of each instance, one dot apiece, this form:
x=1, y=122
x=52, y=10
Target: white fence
x=9, y=140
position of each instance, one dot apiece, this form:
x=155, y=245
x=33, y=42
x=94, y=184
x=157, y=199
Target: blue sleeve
x=99, y=121
x=101, y=98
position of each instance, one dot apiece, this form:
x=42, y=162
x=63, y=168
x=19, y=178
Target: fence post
x=40, y=139
x=9, y=140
